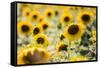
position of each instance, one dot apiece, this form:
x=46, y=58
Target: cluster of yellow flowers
x=51, y=33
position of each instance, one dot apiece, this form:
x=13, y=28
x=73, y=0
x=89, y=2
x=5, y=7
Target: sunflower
x=25, y=5
x=37, y=30
x=74, y=31
x=41, y=40
x=26, y=12
x=78, y=58
x=85, y=16
x=56, y=12
x=41, y=18
x=61, y=47
x=32, y=55
x=44, y=25
x=21, y=52
x=34, y=16
x=66, y=18
x=84, y=8
x=24, y=27
x=74, y=8
x=49, y=13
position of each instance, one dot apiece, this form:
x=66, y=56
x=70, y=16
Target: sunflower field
x=55, y=33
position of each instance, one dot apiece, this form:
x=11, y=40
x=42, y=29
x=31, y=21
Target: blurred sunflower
x=41, y=40
x=41, y=18
x=24, y=27
x=49, y=13
x=37, y=30
x=85, y=16
x=44, y=25
x=61, y=47
x=34, y=16
x=74, y=8
x=26, y=12
x=78, y=58
x=74, y=31
x=32, y=55
x=84, y=8
x=66, y=18
x=25, y=5
x=56, y=12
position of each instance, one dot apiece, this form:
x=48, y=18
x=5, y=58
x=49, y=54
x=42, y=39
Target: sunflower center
x=66, y=19
x=63, y=47
x=24, y=5
x=73, y=29
x=86, y=18
x=49, y=14
x=40, y=40
x=35, y=16
x=25, y=28
x=27, y=13
x=45, y=26
x=28, y=58
x=36, y=31
x=40, y=20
